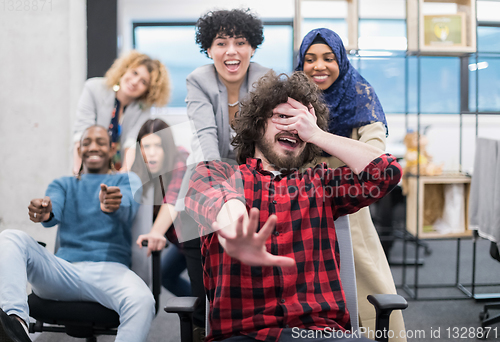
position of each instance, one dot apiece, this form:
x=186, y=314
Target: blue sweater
x=86, y=233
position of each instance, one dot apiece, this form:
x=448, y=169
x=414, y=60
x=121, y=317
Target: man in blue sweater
x=94, y=212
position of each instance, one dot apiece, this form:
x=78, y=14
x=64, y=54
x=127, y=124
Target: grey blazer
x=208, y=111
x=96, y=106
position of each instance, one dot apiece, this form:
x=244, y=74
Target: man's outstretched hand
x=241, y=241
x=39, y=209
x=110, y=198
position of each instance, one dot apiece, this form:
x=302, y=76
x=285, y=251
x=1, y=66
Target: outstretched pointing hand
x=39, y=209
x=110, y=198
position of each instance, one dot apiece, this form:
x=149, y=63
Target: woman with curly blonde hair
x=121, y=101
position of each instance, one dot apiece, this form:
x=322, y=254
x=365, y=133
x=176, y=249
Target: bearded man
x=270, y=253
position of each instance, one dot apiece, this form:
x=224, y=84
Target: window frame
x=186, y=23
x=464, y=74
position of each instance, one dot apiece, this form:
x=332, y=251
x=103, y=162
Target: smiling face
x=95, y=150
x=152, y=152
x=320, y=64
x=280, y=149
x=231, y=57
x=135, y=82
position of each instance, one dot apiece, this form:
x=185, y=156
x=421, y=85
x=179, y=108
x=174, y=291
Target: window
x=439, y=85
x=488, y=38
x=484, y=67
x=488, y=83
x=174, y=45
x=339, y=26
x=381, y=61
x=382, y=34
x=381, y=57
x=387, y=76
x=487, y=67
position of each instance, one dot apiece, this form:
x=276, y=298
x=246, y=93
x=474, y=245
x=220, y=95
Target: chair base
x=486, y=319
x=72, y=318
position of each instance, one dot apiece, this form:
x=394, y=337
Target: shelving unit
x=430, y=34
x=419, y=185
x=416, y=13
x=433, y=186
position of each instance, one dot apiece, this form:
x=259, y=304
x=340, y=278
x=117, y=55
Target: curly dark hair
x=234, y=23
x=270, y=91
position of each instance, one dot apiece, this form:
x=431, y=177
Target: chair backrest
x=347, y=271
x=141, y=263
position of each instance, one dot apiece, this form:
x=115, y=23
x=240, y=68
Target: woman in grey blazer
x=214, y=92
x=121, y=101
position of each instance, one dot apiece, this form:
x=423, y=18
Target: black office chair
x=484, y=316
x=384, y=305
x=83, y=319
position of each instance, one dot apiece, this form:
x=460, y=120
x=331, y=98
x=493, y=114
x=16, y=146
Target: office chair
x=384, y=303
x=83, y=319
x=484, y=316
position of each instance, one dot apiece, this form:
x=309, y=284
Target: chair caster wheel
x=484, y=315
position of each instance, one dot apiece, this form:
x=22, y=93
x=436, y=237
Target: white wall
x=43, y=67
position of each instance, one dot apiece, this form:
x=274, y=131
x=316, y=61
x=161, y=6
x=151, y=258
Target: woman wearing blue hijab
x=355, y=112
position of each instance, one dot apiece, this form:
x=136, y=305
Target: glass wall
x=174, y=45
x=381, y=57
x=484, y=70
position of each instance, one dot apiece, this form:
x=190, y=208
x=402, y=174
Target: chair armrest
x=384, y=305
x=181, y=304
x=388, y=302
x=184, y=307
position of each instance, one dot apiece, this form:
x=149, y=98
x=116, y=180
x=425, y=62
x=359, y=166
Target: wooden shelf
x=415, y=24
x=429, y=211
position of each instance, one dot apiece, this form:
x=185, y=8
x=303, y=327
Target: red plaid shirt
x=260, y=301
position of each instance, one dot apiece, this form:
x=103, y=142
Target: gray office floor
x=449, y=318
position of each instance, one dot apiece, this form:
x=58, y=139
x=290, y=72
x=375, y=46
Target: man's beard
x=280, y=162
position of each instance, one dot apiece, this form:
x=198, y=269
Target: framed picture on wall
x=444, y=30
